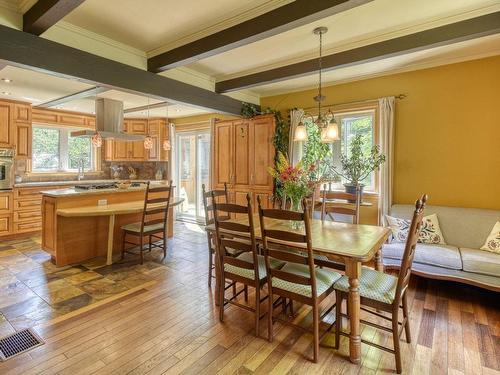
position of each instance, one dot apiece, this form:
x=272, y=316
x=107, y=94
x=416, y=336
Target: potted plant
x=357, y=165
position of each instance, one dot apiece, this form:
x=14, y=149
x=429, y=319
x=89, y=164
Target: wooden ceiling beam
x=46, y=13
x=32, y=52
x=287, y=17
x=448, y=34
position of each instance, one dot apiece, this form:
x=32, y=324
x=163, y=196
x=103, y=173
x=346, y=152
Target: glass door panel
x=193, y=162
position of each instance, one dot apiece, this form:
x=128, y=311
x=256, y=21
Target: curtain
x=386, y=131
x=295, y=148
x=172, y=165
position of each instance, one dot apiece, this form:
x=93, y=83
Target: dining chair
x=329, y=210
x=299, y=279
x=380, y=292
x=208, y=198
x=154, y=221
x=249, y=267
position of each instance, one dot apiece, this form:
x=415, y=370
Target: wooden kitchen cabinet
x=243, y=151
x=136, y=150
x=120, y=150
x=6, y=124
x=5, y=203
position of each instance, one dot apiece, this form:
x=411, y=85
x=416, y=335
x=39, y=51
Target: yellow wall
x=447, y=141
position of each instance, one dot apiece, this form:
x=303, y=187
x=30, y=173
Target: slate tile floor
x=33, y=290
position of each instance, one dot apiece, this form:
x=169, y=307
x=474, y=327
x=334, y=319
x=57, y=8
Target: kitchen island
x=79, y=224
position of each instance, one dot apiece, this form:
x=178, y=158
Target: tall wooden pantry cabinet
x=242, y=152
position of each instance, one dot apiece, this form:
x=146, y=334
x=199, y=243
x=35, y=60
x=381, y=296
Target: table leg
x=379, y=262
x=353, y=271
x=111, y=230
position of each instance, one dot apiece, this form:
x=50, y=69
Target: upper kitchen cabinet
x=6, y=125
x=15, y=127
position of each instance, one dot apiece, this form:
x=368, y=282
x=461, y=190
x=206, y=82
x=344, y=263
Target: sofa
x=464, y=230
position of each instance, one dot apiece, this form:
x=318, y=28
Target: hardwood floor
x=172, y=327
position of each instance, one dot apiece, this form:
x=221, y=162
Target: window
x=351, y=124
x=55, y=150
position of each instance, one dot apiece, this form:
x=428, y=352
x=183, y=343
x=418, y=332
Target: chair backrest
x=156, y=205
x=209, y=196
x=353, y=199
x=409, y=252
x=299, y=240
x=235, y=235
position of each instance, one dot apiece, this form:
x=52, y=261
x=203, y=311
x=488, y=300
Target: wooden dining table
x=349, y=244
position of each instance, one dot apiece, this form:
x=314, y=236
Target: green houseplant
x=357, y=165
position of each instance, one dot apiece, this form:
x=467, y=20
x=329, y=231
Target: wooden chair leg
x=395, y=339
x=140, y=249
x=316, y=332
x=150, y=238
x=338, y=318
x=222, y=288
x=234, y=288
x=245, y=292
x=406, y=317
x=210, y=266
x=123, y=245
x=291, y=308
x=164, y=245
x=257, y=310
x=269, y=314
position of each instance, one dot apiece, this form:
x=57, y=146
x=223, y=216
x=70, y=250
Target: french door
x=193, y=170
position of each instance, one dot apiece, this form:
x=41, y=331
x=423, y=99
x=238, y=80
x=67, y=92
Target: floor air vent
x=18, y=343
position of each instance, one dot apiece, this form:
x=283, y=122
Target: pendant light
x=96, y=139
x=148, y=141
x=328, y=128
x=166, y=143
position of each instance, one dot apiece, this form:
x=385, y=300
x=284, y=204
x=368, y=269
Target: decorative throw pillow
x=493, y=241
x=430, y=232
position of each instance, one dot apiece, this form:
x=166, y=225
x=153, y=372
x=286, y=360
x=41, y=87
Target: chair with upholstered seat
x=247, y=268
x=381, y=292
x=154, y=221
x=299, y=279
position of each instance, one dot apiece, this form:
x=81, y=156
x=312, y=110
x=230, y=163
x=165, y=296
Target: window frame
x=358, y=108
x=64, y=136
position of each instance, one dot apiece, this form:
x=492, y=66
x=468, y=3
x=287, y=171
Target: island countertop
x=56, y=193
x=48, y=184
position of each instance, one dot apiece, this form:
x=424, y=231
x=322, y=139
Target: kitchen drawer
x=5, y=224
x=25, y=216
x=34, y=192
x=5, y=203
x=28, y=205
x=33, y=226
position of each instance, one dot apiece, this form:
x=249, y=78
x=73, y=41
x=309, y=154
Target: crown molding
x=370, y=39
x=408, y=68
x=212, y=29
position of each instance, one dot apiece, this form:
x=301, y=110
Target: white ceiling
x=370, y=23
x=477, y=48
x=153, y=25
x=34, y=87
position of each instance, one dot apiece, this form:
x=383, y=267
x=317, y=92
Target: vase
x=296, y=205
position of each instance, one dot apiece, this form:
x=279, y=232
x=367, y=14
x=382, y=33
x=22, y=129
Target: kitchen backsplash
x=144, y=171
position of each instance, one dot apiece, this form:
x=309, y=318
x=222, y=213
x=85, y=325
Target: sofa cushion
x=461, y=227
x=483, y=262
x=429, y=233
x=435, y=255
x=493, y=241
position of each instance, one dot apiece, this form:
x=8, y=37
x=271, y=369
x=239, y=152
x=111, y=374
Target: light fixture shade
x=96, y=140
x=148, y=143
x=300, y=134
x=332, y=131
x=166, y=145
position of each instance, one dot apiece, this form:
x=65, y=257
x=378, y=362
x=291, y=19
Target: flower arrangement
x=294, y=180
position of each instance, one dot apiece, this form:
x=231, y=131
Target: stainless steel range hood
x=109, y=122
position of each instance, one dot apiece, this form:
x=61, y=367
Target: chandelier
x=328, y=128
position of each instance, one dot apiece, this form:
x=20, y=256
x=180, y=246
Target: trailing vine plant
x=281, y=135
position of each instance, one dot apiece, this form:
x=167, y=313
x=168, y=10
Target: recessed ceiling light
x=177, y=110
x=7, y=80
x=6, y=93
